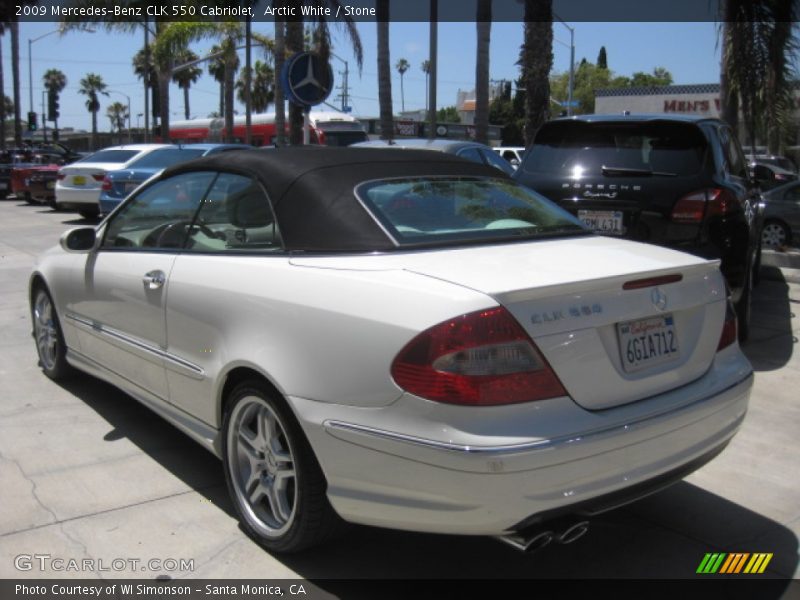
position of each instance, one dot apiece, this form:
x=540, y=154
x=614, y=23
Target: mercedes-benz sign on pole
x=307, y=79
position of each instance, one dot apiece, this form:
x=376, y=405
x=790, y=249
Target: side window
x=235, y=216
x=160, y=216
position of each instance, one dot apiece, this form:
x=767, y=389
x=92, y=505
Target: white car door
x=118, y=303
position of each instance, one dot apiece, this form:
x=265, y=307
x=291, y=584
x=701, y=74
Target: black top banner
x=358, y=10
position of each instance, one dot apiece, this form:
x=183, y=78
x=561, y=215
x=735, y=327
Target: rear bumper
x=389, y=470
x=77, y=198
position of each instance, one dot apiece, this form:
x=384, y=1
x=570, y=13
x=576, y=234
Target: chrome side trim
x=195, y=370
x=202, y=433
x=522, y=447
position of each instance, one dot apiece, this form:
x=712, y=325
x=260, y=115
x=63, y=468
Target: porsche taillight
x=692, y=208
x=483, y=358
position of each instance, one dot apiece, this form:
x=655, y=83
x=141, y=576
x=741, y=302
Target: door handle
x=154, y=279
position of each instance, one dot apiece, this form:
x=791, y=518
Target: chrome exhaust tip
x=536, y=540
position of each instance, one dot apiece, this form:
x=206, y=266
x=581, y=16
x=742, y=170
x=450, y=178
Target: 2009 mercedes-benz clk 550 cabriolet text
x=397, y=338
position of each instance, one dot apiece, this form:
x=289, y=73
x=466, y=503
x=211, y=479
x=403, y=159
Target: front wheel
x=273, y=477
x=48, y=335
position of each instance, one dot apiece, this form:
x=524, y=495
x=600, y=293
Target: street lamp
x=30, y=60
x=571, y=62
x=129, y=110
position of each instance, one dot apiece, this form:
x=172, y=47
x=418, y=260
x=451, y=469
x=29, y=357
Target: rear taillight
x=98, y=176
x=106, y=187
x=480, y=359
x=729, y=328
x=692, y=208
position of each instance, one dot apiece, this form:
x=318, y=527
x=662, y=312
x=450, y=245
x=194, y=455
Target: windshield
x=576, y=148
x=166, y=157
x=424, y=210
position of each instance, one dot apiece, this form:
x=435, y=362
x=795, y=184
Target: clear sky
x=688, y=50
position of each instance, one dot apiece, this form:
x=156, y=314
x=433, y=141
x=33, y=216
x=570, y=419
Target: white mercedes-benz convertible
x=397, y=338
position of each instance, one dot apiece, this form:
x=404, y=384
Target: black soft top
x=311, y=188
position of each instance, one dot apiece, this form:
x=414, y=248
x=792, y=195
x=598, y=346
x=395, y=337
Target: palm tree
x=384, y=71
x=186, y=76
x=91, y=86
x=536, y=60
x=426, y=68
x=402, y=66
x=263, y=87
x=54, y=81
x=117, y=114
x=2, y=93
x=483, y=23
x=143, y=67
x=14, y=26
x=216, y=68
x=280, y=59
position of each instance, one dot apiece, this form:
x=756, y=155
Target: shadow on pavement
x=660, y=537
x=772, y=341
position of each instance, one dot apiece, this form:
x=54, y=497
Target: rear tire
x=273, y=477
x=48, y=336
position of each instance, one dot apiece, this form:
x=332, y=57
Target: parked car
x=781, y=215
x=473, y=151
x=782, y=162
x=78, y=185
x=513, y=154
x=399, y=339
x=118, y=184
x=769, y=174
x=42, y=186
x=676, y=181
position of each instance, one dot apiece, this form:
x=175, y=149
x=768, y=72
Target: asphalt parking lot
x=88, y=473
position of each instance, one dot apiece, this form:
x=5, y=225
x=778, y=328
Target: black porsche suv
x=670, y=180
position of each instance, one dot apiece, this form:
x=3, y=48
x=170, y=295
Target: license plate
x=50, y=185
x=3, y=185
x=79, y=180
x=645, y=343
x=602, y=221
x=129, y=187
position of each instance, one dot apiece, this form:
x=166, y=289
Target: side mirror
x=81, y=239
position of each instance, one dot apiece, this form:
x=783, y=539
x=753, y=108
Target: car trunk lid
x=617, y=321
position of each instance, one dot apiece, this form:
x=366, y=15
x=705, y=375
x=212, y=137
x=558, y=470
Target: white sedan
x=78, y=185
x=397, y=338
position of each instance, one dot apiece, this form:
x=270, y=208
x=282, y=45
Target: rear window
x=576, y=148
x=436, y=210
x=167, y=157
x=110, y=156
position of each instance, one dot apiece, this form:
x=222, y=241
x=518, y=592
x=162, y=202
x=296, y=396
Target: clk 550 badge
x=550, y=316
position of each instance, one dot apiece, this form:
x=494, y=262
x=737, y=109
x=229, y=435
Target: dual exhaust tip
x=529, y=541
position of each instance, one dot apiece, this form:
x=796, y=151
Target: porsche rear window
x=446, y=210
x=574, y=147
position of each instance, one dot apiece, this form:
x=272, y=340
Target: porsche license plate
x=79, y=180
x=646, y=343
x=602, y=221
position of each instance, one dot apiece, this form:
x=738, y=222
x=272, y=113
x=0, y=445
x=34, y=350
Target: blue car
x=118, y=184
